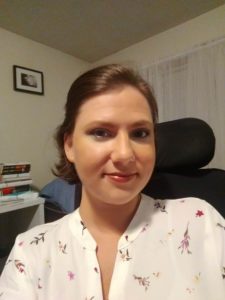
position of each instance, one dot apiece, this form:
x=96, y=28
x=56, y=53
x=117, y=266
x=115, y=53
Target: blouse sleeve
x=15, y=281
x=219, y=225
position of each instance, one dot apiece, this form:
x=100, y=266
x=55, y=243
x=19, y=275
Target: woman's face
x=112, y=146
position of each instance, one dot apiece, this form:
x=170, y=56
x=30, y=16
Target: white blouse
x=172, y=250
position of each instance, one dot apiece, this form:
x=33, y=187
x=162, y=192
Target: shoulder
x=43, y=235
x=194, y=206
x=188, y=207
x=187, y=202
x=35, y=250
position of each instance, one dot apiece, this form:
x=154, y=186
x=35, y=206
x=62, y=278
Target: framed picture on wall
x=28, y=80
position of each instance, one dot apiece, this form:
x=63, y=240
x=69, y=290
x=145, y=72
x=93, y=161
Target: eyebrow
x=143, y=123
x=111, y=124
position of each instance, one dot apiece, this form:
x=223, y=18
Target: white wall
x=28, y=121
x=174, y=41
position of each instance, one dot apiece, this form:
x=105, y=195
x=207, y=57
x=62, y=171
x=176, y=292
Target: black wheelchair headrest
x=183, y=144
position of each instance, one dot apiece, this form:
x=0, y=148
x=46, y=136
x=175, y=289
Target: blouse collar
x=138, y=224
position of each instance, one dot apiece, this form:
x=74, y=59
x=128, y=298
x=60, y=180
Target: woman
x=119, y=244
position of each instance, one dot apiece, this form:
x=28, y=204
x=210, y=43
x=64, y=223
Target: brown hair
x=92, y=83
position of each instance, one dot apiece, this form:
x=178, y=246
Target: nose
x=123, y=151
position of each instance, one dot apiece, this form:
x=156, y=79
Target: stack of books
x=15, y=179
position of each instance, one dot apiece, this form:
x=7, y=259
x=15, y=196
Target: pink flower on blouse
x=199, y=213
x=71, y=275
x=20, y=266
x=184, y=245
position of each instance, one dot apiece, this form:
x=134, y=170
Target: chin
x=120, y=198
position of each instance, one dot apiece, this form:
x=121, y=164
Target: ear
x=68, y=148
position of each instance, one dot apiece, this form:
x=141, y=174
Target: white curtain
x=193, y=85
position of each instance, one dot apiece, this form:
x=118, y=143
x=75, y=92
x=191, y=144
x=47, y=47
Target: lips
x=121, y=177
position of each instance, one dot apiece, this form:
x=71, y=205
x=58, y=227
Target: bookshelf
x=12, y=206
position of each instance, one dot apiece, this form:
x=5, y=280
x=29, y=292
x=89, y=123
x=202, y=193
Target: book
x=14, y=190
x=14, y=177
x=22, y=196
x=14, y=183
x=10, y=198
x=15, y=171
x=22, y=163
x=10, y=201
x=15, y=168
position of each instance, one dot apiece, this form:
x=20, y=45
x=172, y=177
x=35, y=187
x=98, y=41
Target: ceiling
x=93, y=29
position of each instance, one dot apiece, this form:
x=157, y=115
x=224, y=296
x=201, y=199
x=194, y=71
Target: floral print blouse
x=172, y=250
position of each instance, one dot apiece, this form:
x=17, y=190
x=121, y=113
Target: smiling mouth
x=120, y=178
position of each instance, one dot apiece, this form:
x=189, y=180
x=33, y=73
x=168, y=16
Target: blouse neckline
x=138, y=224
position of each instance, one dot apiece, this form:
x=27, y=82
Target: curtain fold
x=193, y=85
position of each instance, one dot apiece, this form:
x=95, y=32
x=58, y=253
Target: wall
x=28, y=121
x=174, y=41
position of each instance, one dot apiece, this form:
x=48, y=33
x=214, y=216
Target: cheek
x=148, y=165
x=147, y=152
x=89, y=158
x=147, y=158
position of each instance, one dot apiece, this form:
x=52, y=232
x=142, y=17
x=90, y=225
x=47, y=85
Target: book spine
x=14, y=168
x=14, y=176
x=15, y=164
x=10, y=198
x=14, y=183
x=14, y=190
x=21, y=196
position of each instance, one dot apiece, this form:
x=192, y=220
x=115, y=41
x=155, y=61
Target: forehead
x=124, y=102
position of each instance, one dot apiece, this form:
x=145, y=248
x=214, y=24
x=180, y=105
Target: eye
x=140, y=133
x=101, y=133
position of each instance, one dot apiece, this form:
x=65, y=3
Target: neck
x=107, y=218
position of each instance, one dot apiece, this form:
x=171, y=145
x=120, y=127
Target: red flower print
x=199, y=213
x=71, y=275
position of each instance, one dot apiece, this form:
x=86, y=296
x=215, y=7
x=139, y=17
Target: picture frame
x=28, y=80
